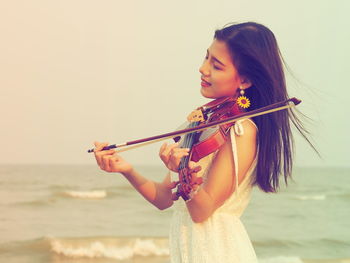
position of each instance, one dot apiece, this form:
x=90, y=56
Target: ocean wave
x=281, y=259
x=59, y=187
x=36, y=203
x=40, y=245
x=345, y=195
x=94, y=194
x=276, y=243
x=116, y=248
x=296, y=259
x=328, y=246
x=331, y=260
x=56, y=196
x=310, y=197
x=138, y=249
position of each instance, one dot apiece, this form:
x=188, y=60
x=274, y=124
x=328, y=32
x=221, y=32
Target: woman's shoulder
x=244, y=141
x=245, y=127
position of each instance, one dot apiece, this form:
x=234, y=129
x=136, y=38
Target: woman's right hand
x=109, y=161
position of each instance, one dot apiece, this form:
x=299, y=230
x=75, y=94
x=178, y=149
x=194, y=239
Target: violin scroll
x=196, y=115
x=295, y=101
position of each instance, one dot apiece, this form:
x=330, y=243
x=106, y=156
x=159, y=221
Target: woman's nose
x=204, y=69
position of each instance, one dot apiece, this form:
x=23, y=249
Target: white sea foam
x=310, y=197
x=96, y=194
x=281, y=259
x=99, y=249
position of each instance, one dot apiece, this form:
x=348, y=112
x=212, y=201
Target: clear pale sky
x=72, y=72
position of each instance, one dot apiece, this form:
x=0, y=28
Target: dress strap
x=237, y=129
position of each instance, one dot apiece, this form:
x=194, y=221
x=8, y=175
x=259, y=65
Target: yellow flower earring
x=242, y=100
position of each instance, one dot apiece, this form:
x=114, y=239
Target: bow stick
x=153, y=139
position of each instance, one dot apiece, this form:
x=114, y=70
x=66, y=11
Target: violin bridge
x=196, y=115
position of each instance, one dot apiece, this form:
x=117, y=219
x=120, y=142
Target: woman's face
x=218, y=74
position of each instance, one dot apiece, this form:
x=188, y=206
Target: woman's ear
x=245, y=83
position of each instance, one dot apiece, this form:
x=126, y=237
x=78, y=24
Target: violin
x=207, y=131
x=205, y=142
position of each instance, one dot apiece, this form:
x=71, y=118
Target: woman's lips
x=205, y=84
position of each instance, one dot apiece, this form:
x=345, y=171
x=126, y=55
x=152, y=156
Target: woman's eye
x=215, y=67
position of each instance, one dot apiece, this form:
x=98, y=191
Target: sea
x=80, y=214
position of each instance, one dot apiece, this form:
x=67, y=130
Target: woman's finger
x=194, y=167
x=99, y=156
x=173, y=184
x=98, y=150
x=162, y=148
x=162, y=156
x=168, y=149
x=165, y=151
x=180, y=150
x=174, y=161
x=113, y=160
x=192, y=164
x=179, y=154
x=105, y=162
x=99, y=146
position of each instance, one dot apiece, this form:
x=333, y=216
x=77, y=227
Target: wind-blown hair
x=256, y=56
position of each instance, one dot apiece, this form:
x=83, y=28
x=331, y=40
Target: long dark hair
x=256, y=56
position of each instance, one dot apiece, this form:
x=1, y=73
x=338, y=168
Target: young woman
x=243, y=58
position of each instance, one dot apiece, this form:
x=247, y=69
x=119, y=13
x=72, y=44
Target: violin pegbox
x=195, y=116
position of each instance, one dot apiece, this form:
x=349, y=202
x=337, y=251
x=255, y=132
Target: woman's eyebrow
x=214, y=58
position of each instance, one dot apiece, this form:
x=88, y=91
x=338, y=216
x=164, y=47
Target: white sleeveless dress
x=222, y=237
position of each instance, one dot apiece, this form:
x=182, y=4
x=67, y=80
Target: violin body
x=205, y=142
x=211, y=139
x=207, y=146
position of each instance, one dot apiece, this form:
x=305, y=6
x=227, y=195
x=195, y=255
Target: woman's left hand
x=172, y=154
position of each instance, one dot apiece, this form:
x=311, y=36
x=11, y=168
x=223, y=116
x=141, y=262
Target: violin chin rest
x=177, y=138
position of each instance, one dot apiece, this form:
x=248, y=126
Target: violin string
x=188, y=143
x=185, y=145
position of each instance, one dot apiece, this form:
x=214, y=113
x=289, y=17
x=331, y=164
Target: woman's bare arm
x=158, y=194
x=220, y=183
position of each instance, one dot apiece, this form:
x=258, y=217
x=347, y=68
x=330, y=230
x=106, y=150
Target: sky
x=75, y=72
